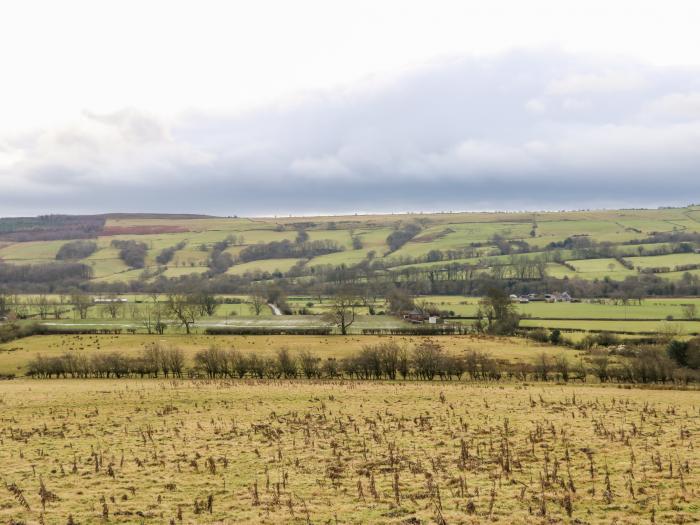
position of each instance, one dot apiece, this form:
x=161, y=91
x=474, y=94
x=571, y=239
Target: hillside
x=585, y=245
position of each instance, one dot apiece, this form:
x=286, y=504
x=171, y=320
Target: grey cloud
x=525, y=130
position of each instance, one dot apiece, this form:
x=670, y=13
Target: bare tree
x=150, y=316
x=81, y=304
x=309, y=364
x=57, y=309
x=183, y=309
x=342, y=311
x=690, y=311
x=207, y=303
x=258, y=302
x=112, y=307
x=42, y=305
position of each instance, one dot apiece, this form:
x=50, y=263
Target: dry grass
x=134, y=451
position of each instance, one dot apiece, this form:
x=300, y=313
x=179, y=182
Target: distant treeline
x=426, y=361
x=43, y=277
x=50, y=227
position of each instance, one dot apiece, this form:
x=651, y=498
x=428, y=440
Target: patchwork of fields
x=361, y=238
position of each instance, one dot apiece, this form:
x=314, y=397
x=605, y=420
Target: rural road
x=274, y=308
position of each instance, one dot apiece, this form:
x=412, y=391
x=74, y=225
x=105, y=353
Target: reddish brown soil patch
x=432, y=237
x=143, y=230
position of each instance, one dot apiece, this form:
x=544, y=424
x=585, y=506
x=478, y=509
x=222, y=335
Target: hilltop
x=113, y=251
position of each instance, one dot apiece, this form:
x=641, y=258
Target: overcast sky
x=330, y=106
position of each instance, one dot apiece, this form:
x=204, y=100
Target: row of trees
x=153, y=360
x=44, y=277
x=426, y=361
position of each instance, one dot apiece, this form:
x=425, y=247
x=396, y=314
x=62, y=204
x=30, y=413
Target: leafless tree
x=81, y=304
x=342, y=311
x=257, y=301
x=183, y=309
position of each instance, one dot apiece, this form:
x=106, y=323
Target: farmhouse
x=563, y=297
x=415, y=316
x=418, y=317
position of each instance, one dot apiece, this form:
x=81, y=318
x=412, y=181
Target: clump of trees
x=166, y=254
x=401, y=235
x=133, y=253
x=288, y=249
x=685, y=353
x=219, y=259
x=497, y=314
x=76, y=250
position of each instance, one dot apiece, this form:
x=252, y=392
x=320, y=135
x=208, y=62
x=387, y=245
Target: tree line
x=424, y=361
x=154, y=360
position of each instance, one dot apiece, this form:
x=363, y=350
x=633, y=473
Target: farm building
x=106, y=300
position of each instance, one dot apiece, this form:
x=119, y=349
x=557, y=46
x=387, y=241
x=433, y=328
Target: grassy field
x=268, y=265
x=658, y=308
x=647, y=327
x=154, y=451
x=601, y=268
x=670, y=261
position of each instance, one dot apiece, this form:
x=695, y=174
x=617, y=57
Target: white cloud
x=681, y=106
x=536, y=105
x=596, y=83
x=323, y=167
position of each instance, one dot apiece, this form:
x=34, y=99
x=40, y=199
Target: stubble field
x=157, y=451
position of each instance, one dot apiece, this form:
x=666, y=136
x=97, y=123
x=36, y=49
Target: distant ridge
x=184, y=216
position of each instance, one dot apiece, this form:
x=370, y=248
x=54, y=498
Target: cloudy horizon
x=329, y=120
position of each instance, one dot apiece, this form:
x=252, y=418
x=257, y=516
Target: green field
x=267, y=265
x=600, y=268
x=670, y=261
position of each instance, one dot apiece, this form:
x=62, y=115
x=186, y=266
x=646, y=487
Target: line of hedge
x=419, y=330
x=261, y=330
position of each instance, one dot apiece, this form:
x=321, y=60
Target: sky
x=333, y=106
